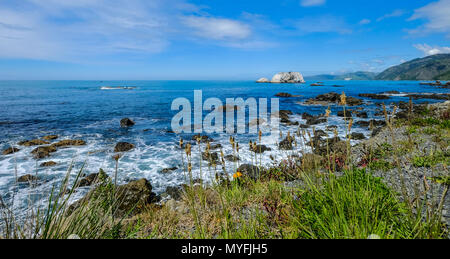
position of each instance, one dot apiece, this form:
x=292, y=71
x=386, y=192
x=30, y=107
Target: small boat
x=117, y=88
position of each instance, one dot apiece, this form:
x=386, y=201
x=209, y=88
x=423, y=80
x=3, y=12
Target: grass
x=308, y=196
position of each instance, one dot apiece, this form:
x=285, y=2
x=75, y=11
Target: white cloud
x=437, y=15
x=308, y=3
x=432, y=50
x=364, y=21
x=323, y=24
x=217, y=28
x=396, y=13
x=81, y=30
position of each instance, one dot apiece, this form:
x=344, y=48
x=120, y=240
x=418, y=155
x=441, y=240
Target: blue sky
x=214, y=39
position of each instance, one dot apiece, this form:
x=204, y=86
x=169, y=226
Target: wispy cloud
x=309, y=3
x=84, y=29
x=396, y=13
x=432, y=50
x=437, y=15
x=323, y=24
x=217, y=28
x=364, y=21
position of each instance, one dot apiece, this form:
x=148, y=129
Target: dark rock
x=203, y=139
x=304, y=126
x=216, y=146
x=376, y=131
x=316, y=120
x=261, y=149
x=133, y=198
x=50, y=137
x=210, y=156
x=232, y=158
x=92, y=179
x=48, y=164
x=250, y=171
x=123, y=147
x=10, y=151
x=43, y=152
x=375, y=123
x=375, y=96
x=287, y=143
x=357, y=136
x=126, y=122
x=175, y=192
x=27, y=178
x=352, y=101
x=331, y=127
x=68, y=143
x=363, y=115
x=285, y=95
x=168, y=170
x=34, y=142
x=430, y=96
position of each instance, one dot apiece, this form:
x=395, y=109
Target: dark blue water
x=82, y=110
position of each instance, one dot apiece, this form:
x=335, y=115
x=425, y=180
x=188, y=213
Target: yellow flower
x=237, y=175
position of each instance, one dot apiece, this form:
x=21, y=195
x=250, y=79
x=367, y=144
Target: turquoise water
x=82, y=110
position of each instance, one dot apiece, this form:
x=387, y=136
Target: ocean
x=91, y=111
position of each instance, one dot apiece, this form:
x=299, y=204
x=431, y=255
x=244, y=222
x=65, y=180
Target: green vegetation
x=436, y=67
x=329, y=194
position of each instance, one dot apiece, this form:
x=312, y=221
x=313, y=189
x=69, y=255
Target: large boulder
x=92, y=179
x=126, y=122
x=43, y=152
x=123, y=147
x=130, y=199
x=289, y=77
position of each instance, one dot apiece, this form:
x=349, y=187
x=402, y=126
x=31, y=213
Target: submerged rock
x=27, y=178
x=168, y=170
x=10, y=151
x=48, y=164
x=285, y=95
x=126, y=122
x=375, y=96
x=68, y=143
x=123, y=147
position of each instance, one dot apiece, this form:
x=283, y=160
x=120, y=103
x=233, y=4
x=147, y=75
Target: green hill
x=354, y=76
x=436, y=67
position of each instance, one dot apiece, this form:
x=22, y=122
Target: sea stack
x=284, y=78
x=288, y=78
